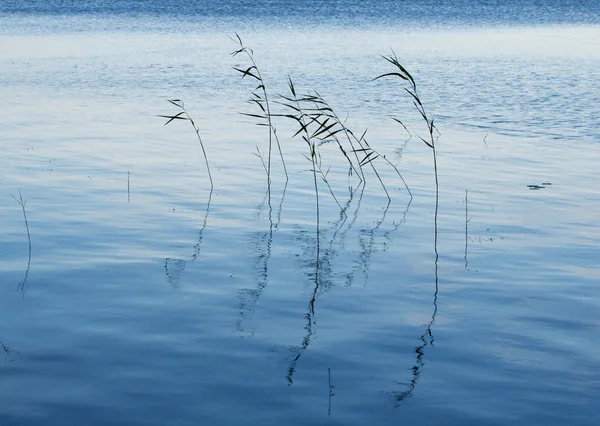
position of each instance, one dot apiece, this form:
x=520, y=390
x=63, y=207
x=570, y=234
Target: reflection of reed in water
x=22, y=286
x=318, y=264
x=7, y=351
x=317, y=269
x=411, y=88
x=318, y=125
x=366, y=241
x=173, y=269
x=427, y=336
x=201, y=232
x=331, y=388
x=369, y=239
x=426, y=339
x=262, y=246
x=466, y=228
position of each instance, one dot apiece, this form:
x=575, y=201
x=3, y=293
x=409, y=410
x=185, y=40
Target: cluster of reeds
x=318, y=124
x=260, y=98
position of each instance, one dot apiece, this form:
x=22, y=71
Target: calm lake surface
x=147, y=299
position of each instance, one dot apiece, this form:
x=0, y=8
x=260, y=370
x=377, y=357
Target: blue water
x=422, y=12
x=148, y=299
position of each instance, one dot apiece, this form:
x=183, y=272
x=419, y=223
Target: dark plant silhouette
x=260, y=98
x=183, y=115
x=320, y=124
x=404, y=75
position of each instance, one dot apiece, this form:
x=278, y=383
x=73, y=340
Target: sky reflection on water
x=151, y=299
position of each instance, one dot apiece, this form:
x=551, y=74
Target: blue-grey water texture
x=132, y=294
x=423, y=11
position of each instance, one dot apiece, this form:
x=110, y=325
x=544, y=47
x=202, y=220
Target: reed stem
x=184, y=115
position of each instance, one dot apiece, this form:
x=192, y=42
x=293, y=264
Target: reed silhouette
x=412, y=91
x=184, y=115
x=260, y=98
x=318, y=124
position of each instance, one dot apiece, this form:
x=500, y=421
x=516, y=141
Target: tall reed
x=260, y=98
x=427, y=336
x=404, y=75
x=184, y=115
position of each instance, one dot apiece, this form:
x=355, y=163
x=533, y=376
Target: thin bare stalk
x=262, y=160
x=381, y=182
x=378, y=155
x=399, y=174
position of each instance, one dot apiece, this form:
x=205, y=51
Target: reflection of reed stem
x=318, y=253
x=466, y=226
x=201, y=232
x=318, y=215
x=437, y=198
x=7, y=351
x=309, y=315
x=307, y=338
x=248, y=297
x=330, y=390
x=426, y=339
x=22, y=203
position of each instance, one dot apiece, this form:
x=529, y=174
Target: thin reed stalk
x=311, y=139
x=427, y=336
x=331, y=125
x=404, y=75
x=327, y=127
x=370, y=156
x=260, y=98
x=184, y=115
